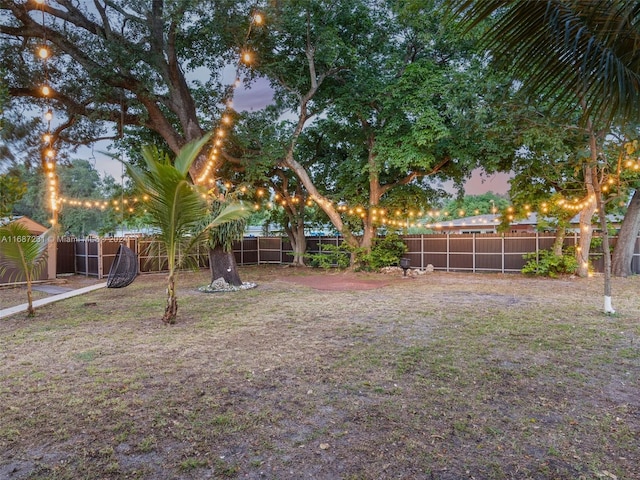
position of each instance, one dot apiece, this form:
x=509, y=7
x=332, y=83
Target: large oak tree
x=114, y=64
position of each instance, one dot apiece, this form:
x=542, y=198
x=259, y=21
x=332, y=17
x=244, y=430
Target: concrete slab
x=55, y=298
x=51, y=289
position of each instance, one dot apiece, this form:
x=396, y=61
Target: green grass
x=483, y=376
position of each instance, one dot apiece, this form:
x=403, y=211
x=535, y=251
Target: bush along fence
x=501, y=253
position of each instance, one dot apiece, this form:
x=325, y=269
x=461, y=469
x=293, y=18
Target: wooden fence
x=475, y=253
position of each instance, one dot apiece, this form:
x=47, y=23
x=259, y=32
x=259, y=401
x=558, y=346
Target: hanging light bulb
x=43, y=52
x=48, y=116
x=46, y=91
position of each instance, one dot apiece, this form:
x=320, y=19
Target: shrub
x=548, y=264
x=386, y=251
x=330, y=256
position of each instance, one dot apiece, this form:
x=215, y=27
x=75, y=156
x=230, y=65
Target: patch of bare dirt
x=338, y=282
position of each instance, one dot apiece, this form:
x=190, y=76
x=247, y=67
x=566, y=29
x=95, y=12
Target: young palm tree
x=577, y=52
x=23, y=255
x=176, y=207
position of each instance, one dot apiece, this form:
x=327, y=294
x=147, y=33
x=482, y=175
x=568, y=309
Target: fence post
x=473, y=252
x=448, y=251
x=100, y=266
x=502, y=245
x=86, y=258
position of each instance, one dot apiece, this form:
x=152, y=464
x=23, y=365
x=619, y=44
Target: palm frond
x=582, y=53
x=23, y=255
x=230, y=213
x=189, y=153
x=174, y=204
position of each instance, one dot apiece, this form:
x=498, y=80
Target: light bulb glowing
x=46, y=91
x=48, y=116
x=43, y=52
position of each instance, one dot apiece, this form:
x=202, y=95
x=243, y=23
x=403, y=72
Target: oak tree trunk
x=623, y=251
x=223, y=265
x=586, y=227
x=558, y=242
x=298, y=242
x=606, y=252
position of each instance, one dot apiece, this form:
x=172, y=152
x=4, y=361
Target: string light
x=49, y=153
x=246, y=57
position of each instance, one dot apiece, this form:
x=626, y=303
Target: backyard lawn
x=326, y=375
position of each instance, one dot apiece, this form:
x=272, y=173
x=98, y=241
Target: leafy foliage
x=140, y=77
x=227, y=233
x=386, y=251
x=546, y=264
x=331, y=256
x=77, y=179
x=476, y=204
x=12, y=189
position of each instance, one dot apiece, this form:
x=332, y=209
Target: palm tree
x=23, y=255
x=578, y=52
x=176, y=208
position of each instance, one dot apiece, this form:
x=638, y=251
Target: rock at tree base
x=221, y=285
